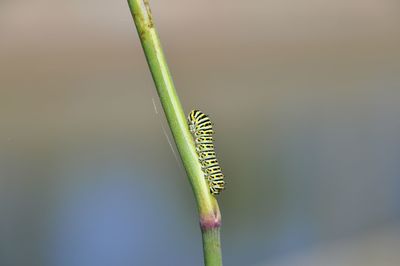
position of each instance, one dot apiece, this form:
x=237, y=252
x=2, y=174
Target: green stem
x=212, y=247
x=210, y=218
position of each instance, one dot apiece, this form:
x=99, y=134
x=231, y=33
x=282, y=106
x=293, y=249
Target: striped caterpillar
x=201, y=128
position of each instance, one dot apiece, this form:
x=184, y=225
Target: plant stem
x=212, y=247
x=210, y=218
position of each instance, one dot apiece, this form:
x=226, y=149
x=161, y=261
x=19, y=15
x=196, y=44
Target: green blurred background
x=305, y=97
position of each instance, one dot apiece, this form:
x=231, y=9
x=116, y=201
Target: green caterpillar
x=201, y=128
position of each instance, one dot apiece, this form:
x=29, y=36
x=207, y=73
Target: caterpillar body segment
x=204, y=140
x=209, y=163
x=204, y=148
x=204, y=132
x=206, y=155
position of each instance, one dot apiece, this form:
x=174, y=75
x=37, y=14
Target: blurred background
x=305, y=97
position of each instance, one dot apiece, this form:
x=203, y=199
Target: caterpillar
x=202, y=130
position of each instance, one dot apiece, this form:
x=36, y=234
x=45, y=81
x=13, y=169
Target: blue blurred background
x=305, y=96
